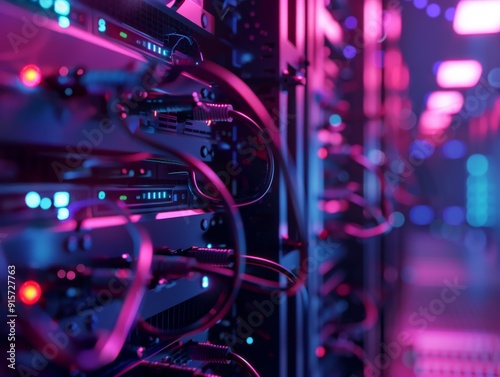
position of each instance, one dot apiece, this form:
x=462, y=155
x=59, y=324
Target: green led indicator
x=101, y=195
x=123, y=34
x=123, y=197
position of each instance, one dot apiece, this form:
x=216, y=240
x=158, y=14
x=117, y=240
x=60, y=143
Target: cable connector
x=172, y=267
x=209, y=353
x=176, y=371
x=213, y=257
x=213, y=112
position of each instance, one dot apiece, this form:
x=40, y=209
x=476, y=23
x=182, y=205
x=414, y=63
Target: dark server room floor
x=223, y=188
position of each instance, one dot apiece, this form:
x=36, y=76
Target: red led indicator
x=322, y=153
x=30, y=75
x=30, y=292
x=320, y=351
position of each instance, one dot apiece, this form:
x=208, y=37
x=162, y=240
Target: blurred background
x=353, y=230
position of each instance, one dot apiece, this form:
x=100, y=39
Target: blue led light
x=449, y=14
x=46, y=4
x=61, y=199
x=205, y=282
x=454, y=149
x=154, y=195
x=421, y=149
x=477, y=165
x=64, y=22
x=209, y=245
x=397, y=219
x=149, y=195
x=32, y=199
x=480, y=206
x=421, y=215
x=335, y=120
x=101, y=25
x=101, y=195
x=45, y=203
x=433, y=10
x=349, y=52
x=454, y=215
x=62, y=213
x=420, y=4
x=351, y=22
x=62, y=7
x=249, y=340
x=149, y=45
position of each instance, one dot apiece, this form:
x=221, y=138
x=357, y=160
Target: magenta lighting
x=449, y=102
x=477, y=17
x=459, y=73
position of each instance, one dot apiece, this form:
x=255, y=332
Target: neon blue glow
x=249, y=340
x=159, y=50
x=349, y=52
x=62, y=7
x=64, y=22
x=46, y=4
x=61, y=199
x=149, y=45
x=421, y=149
x=454, y=215
x=32, y=199
x=449, y=14
x=433, y=10
x=335, y=120
x=149, y=195
x=477, y=165
x=101, y=195
x=154, y=195
x=45, y=203
x=479, y=203
x=420, y=4
x=396, y=219
x=454, y=149
x=205, y=282
x=101, y=25
x=351, y=22
x=209, y=245
x=421, y=215
x=62, y=213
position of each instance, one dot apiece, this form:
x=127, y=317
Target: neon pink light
x=477, y=17
x=392, y=24
x=445, y=102
x=432, y=121
x=177, y=214
x=103, y=222
x=459, y=73
x=330, y=26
